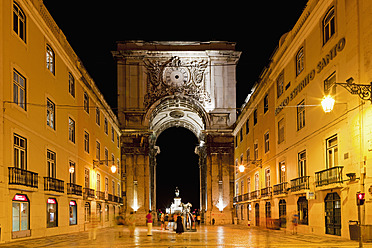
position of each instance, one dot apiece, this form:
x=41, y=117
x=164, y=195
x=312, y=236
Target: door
x=257, y=214
x=332, y=204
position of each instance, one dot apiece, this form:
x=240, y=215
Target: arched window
x=302, y=208
x=329, y=25
x=50, y=59
x=19, y=22
x=300, y=57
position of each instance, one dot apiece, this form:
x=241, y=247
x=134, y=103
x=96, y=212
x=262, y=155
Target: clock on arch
x=177, y=76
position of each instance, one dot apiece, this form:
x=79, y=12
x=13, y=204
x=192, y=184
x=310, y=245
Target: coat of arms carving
x=175, y=77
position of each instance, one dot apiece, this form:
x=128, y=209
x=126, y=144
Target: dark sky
x=93, y=27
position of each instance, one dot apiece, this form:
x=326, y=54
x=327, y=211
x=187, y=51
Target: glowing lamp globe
x=113, y=169
x=241, y=168
x=327, y=103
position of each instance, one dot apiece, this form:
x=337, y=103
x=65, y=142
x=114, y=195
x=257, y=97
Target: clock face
x=176, y=75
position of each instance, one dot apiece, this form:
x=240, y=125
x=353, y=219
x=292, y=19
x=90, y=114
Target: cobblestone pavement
x=210, y=236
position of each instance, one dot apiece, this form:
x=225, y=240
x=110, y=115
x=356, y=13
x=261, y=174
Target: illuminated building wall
x=53, y=118
x=314, y=150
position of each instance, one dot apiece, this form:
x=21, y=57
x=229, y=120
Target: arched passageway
x=177, y=166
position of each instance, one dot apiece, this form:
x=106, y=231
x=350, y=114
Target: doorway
x=257, y=214
x=332, y=204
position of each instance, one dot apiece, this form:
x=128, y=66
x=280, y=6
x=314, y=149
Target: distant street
x=211, y=236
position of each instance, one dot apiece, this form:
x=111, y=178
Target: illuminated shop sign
x=309, y=77
x=20, y=198
x=52, y=201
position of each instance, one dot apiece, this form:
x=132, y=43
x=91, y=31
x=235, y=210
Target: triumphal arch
x=182, y=84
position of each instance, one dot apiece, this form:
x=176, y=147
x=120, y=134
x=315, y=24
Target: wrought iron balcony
x=329, y=176
x=300, y=183
x=255, y=194
x=266, y=192
x=88, y=193
x=100, y=195
x=54, y=184
x=280, y=188
x=19, y=176
x=74, y=189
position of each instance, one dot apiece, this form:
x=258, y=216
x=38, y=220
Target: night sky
x=93, y=27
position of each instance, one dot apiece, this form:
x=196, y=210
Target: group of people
x=172, y=222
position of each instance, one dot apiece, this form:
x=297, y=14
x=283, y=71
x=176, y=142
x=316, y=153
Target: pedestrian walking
x=295, y=218
x=149, y=223
x=119, y=221
x=179, y=229
x=162, y=221
x=93, y=227
x=131, y=221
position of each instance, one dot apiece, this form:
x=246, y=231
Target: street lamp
x=364, y=91
x=241, y=168
x=97, y=163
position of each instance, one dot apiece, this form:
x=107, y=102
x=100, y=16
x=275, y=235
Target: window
x=248, y=154
x=19, y=22
x=302, y=164
x=21, y=213
x=73, y=212
x=98, y=116
x=51, y=164
x=266, y=103
x=20, y=151
x=106, y=184
x=256, y=181
x=118, y=165
x=329, y=86
x=113, y=187
x=117, y=140
x=86, y=212
x=51, y=114
x=19, y=89
x=71, y=130
x=247, y=126
x=71, y=85
x=282, y=172
x=86, y=141
x=255, y=155
x=300, y=58
x=281, y=131
x=98, y=150
x=86, y=178
x=255, y=117
x=237, y=188
x=119, y=190
x=332, y=151
x=72, y=170
x=52, y=212
x=106, y=156
x=106, y=126
x=50, y=59
x=302, y=208
x=86, y=102
x=112, y=134
x=329, y=27
x=280, y=84
x=236, y=141
x=301, y=115
x=241, y=134
x=267, y=178
x=98, y=186
x=248, y=185
x=267, y=144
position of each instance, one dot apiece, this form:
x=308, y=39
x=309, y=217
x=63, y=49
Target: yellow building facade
x=320, y=160
x=59, y=140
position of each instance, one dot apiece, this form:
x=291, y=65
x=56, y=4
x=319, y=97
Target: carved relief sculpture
x=175, y=77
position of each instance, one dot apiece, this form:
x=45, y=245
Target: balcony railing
x=19, y=176
x=100, y=195
x=329, y=176
x=54, y=184
x=88, y=193
x=300, y=183
x=280, y=188
x=266, y=192
x=255, y=194
x=74, y=189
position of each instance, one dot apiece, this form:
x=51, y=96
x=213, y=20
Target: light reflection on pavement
x=206, y=236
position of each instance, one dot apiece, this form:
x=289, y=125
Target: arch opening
x=177, y=166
